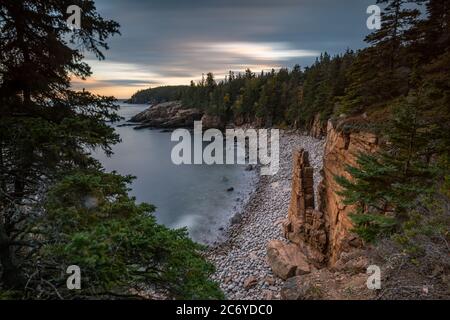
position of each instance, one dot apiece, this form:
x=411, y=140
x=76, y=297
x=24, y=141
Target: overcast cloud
x=174, y=41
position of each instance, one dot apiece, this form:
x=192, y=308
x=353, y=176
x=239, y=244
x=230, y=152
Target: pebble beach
x=241, y=265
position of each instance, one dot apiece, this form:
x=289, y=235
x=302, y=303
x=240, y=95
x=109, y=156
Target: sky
x=171, y=42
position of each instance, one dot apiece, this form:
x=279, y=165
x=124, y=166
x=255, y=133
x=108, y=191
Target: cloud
x=95, y=84
x=259, y=51
x=173, y=41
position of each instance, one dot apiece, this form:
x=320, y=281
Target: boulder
x=286, y=260
x=299, y=288
x=236, y=218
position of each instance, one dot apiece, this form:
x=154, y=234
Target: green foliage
x=430, y=220
x=371, y=226
x=93, y=223
x=390, y=183
x=283, y=97
x=46, y=128
x=276, y=98
x=397, y=19
x=402, y=55
x=47, y=131
x=158, y=95
x=405, y=73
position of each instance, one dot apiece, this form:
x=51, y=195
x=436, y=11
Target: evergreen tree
x=47, y=131
x=381, y=72
x=91, y=222
x=45, y=127
x=386, y=186
x=431, y=34
x=397, y=18
x=159, y=94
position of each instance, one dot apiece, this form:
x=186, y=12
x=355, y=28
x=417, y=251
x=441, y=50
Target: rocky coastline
x=284, y=238
x=172, y=115
x=241, y=261
x=166, y=115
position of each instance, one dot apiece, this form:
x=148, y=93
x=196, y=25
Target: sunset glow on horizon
x=123, y=80
x=174, y=42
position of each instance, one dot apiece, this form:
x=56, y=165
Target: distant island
x=157, y=95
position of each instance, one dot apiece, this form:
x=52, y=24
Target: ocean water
x=192, y=196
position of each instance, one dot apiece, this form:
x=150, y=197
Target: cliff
x=341, y=149
x=305, y=226
x=318, y=128
x=324, y=234
x=322, y=258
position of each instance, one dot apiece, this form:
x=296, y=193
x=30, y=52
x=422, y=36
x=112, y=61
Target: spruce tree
x=397, y=18
x=45, y=127
x=381, y=72
x=57, y=205
x=387, y=185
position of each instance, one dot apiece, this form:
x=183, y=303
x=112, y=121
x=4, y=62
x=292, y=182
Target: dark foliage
x=158, y=95
x=412, y=167
x=47, y=132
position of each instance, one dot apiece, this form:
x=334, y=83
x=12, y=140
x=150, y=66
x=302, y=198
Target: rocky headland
x=171, y=115
x=167, y=115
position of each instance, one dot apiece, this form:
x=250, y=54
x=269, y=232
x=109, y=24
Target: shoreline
x=240, y=260
x=208, y=220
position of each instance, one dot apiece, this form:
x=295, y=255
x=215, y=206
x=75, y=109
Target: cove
x=195, y=197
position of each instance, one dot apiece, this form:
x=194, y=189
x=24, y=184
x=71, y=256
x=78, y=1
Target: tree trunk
x=11, y=277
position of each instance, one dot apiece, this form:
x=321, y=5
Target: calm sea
x=192, y=196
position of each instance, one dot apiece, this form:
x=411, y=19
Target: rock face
x=324, y=259
x=341, y=149
x=324, y=234
x=318, y=129
x=305, y=225
x=167, y=115
x=286, y=260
